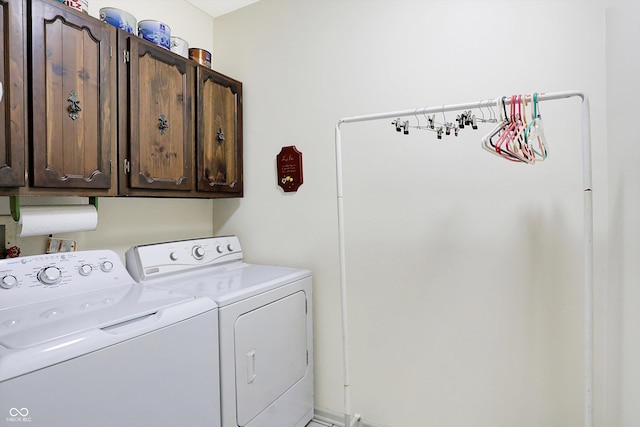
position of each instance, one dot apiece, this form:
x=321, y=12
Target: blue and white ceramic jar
x=155, y=32
x=180, y=46
x=119, y=19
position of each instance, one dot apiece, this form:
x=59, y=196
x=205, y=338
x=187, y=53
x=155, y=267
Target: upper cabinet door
x=156, y=98
x=74, y=99
x=13, y=116
x=219, y=122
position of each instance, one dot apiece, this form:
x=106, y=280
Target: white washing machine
x=82, y=344
x=265, y=321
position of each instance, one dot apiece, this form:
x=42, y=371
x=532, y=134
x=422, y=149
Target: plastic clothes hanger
x=525, y=124
x=488, y=142
x=535, y=132
x=505, y=138
x=508, y=142
x=523, y=146
x=520, y=140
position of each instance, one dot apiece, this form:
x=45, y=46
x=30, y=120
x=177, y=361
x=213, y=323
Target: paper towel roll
x=44, y=220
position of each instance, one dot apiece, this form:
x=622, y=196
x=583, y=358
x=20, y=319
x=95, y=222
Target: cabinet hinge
x=125, y=54
x=110, y=51
x=127, y=166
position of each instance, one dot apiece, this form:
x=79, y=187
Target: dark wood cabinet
x=73, y=99
x=13, y=117
x=90, y=110
x=156, y=109
x=219, y=133
x=180, y=125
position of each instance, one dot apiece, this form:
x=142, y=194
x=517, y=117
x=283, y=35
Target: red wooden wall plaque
x=289, y=164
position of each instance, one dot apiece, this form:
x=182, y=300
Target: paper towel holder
x=14, y=202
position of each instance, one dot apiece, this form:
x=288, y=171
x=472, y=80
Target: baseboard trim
x=337, y=418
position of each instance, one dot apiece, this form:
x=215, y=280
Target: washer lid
x=233, y=283
x=48, y=321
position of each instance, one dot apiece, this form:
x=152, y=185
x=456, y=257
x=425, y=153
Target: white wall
x=124, y=222
x=184, y=19
x=623, y=295
x=465, y=271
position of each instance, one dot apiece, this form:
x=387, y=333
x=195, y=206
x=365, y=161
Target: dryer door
x=271, y=353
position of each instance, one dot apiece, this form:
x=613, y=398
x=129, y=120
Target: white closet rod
x=352, y=419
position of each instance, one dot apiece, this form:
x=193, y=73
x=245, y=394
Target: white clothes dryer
x=82, y=344
x=265, y=325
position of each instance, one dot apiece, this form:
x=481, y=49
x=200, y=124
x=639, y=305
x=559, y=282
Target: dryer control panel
x=157, y=260
x=37, y=278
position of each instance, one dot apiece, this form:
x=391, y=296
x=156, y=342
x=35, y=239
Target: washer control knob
x=230, y=247
x=174, y=256
x=219, y=249
x=85, y=269
x=106, y=266
x=8, y=282
x=50, y=275
x=198, y=252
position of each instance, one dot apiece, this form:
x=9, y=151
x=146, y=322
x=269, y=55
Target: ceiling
x=220, y=7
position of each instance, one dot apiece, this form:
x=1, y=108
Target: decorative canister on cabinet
x=201, y=56
x=119, y=19
x=81, y=5
x=155, y=32
x=180, y=46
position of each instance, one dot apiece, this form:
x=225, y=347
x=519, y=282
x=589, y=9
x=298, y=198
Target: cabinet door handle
x=1, y=92
x=163, y=125
x=74, y=105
